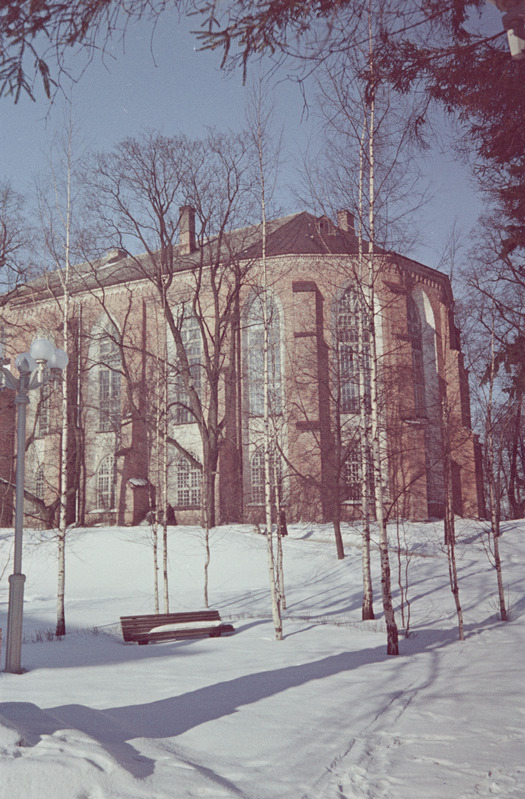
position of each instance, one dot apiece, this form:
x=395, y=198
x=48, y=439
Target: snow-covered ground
x=323, y=714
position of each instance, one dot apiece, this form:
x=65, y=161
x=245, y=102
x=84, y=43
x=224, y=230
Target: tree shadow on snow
x=113, y=728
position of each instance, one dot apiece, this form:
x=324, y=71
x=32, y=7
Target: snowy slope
x=324, y=714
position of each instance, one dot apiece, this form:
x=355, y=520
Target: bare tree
x=449, y=525
x=57, y=202
x=16, y=242
x=137, y=192
x=259, y=129
x=494, y=411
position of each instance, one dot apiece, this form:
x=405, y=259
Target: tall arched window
x=40, y=483
x=257, y=480
x=257, y=477
x=192, y=342
x=106, y=483
x=255, y=356
x=352, y=483
x=188, y=484
x=109, y=366
x=352, y=473
x=353, y=363
x=415, y=331
x=42, y=413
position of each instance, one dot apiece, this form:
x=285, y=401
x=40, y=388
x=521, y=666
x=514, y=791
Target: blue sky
x=162, y=81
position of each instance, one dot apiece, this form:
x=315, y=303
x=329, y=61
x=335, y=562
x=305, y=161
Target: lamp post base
x=14, y=623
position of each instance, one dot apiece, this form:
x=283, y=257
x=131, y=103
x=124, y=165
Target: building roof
x=296, y=234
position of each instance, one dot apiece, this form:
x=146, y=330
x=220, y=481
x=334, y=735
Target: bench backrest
x=140, y=625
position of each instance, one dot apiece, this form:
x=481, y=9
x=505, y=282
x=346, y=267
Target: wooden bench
x=173, y=626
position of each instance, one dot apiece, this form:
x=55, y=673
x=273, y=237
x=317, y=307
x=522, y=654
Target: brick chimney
x=112, y=256
x=187, y=229
x=345, y=221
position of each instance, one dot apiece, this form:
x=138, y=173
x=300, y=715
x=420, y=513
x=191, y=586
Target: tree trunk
x=62, y=525
x=493, y=496
x=450, y=534
x=392, y=634
x=281, y=532
x=338, y=464
x=367, y=610
x=514, y=494
x=272, y=566
x=165, y=465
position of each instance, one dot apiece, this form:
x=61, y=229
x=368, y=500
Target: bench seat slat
x=176, y=635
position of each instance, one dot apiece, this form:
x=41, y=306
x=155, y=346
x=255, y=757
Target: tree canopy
x=35, y=36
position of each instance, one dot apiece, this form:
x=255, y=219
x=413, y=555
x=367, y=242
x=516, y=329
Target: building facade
x=168, y=368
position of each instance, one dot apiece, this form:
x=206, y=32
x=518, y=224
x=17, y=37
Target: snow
x=323, y=714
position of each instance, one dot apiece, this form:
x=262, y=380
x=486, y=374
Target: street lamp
x=514, y=23
x=36, y=367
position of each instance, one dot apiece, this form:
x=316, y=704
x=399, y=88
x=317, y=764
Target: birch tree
x=449, y=524
x=494, y=496
x=494, y=412
x=56, y=213
x=366, y=167
x=259, y=129
x=392, y=634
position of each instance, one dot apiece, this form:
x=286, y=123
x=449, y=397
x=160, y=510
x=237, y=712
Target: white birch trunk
x=272, y=565
x=155, y=543
x=165, y=457
x=155, y=518
x=450, y=533
x=493, y=498
x=62, y=524
x=367, y=610
x=207, y=552
x=392, y=633
x=280, y=556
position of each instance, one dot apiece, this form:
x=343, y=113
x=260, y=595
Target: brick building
x=133, y=435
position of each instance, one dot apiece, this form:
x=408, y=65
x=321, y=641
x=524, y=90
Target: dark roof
x=297, y=234
x=303, y=234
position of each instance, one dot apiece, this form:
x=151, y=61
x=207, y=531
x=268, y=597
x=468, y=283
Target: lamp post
x=514, y=23
x=35, y=367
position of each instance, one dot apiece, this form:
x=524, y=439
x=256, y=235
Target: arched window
x=415, y=331
x=255, y=356
x=40, y=483
x=192, y=342
x=257, y=477
x=352, y=481
x=352, y=484
x=188, y=484
x=42, y=413
x=257, y=494
x=106, y=483
x=109, y=365
x=354, y=361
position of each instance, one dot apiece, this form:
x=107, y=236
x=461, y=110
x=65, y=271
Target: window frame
x=193, y=479
x=109, y=388
x=107, y=475
x=415, y=333
x=350, y=363
x=190, y=331
x=254, y=360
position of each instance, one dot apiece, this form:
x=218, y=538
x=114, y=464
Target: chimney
x=345, y=221
x=187, y=229
x=115, y=255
